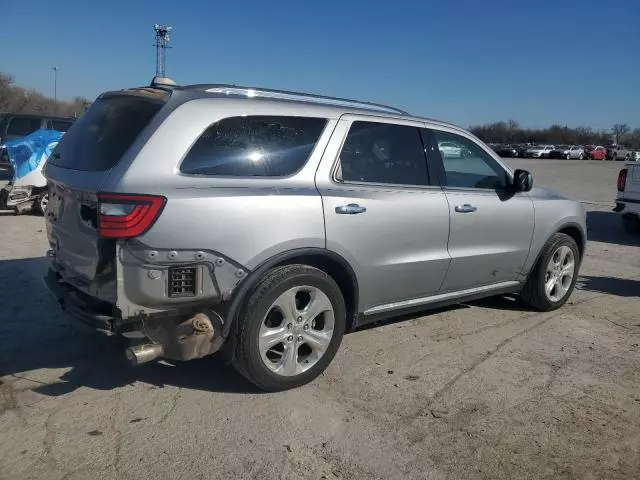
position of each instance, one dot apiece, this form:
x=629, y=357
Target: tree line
x=511, y=132
x=16, y=99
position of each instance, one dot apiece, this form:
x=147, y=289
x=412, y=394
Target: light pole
x=55, y=84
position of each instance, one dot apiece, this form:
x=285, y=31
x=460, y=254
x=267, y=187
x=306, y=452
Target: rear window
x=265, y=146
x=22, y=126
x=101, y=136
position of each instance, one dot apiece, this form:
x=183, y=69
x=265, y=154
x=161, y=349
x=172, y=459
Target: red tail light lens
x=622, y=179
x=127, y=216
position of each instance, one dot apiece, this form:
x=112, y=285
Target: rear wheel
x=581, y=157
x=631, y=224
x=554, y=276
x=291, y=328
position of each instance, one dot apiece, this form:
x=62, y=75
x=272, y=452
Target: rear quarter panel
x=247, y=220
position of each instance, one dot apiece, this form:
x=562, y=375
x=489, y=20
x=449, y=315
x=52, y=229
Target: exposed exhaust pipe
x=144, y=353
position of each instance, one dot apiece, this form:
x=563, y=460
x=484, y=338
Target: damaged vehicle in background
x=264, y=224
x=18, y=125
x=27, y=189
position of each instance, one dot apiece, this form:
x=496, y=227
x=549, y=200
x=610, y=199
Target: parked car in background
x=304, y=191
x=522, y=149
x=618, y=152
x=628, y=199
x=568, y=151
x=18, y=125
x=635, y=156
x=540, y=151
x=450, y=149
x=593, y=152
x=507, y=151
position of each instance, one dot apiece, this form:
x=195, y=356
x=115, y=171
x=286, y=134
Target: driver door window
x=467, y=165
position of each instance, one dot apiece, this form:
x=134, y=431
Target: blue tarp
x=26, y=153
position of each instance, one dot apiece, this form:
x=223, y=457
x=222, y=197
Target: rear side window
x=21, y=126
x=254, y=146
x=383, y=153
x=101, y=136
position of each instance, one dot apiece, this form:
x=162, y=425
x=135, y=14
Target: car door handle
x=351, y=209
x=466, y=208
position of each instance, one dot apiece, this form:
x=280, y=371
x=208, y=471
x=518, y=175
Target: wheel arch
x=575, y=231
x=328, y=261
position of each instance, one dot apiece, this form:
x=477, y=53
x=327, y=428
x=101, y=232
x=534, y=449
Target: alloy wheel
x=44, y=201
x=296, y=331
x=559, y=274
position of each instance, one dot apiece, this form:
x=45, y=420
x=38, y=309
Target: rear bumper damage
x=176, y=335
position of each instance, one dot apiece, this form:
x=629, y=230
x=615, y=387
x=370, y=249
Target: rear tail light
x=622, y=179
x=127, y=216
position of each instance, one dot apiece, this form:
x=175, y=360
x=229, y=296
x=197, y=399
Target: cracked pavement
x=485, y=390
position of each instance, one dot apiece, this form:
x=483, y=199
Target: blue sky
x=574, y=62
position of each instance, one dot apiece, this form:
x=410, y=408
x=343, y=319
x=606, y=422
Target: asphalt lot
x=486, y=390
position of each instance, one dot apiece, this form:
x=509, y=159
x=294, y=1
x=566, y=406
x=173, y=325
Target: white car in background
x=540, y=151
x=450, y=149
x=628, y=199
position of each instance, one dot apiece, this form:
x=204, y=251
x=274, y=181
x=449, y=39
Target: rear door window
x=254, y=146
x=383, y=153
x=101, y=136
x=22, y=126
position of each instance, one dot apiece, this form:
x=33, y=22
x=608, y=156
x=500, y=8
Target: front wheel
x=581, y=157
x=568, y=156
x=554, y=276
x=291, y=328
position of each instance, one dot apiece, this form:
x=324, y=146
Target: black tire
x=247, y=359
x=631, y=224
x=533, y=294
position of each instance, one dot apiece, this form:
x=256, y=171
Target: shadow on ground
x=36, y=335
x=621, y=287
x=607, y=227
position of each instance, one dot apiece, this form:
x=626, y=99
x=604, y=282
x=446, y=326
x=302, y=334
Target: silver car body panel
x=410, y=247
x=398, y=247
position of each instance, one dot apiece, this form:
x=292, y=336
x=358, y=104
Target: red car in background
x=593, y=152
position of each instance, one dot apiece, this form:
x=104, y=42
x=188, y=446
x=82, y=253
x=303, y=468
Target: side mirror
x=522, y=181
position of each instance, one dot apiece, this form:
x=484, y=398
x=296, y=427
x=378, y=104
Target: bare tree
x=16, y=99
x=620, y=130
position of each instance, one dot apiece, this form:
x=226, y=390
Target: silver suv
x=265, y=224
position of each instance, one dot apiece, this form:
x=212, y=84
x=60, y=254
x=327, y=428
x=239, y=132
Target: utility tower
x=162, y=33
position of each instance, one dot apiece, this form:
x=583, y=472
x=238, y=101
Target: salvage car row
x=569, y=152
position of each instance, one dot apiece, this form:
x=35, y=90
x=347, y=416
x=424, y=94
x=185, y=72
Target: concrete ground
x=486, y=390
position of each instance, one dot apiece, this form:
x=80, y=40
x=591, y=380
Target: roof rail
x=294, y=96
